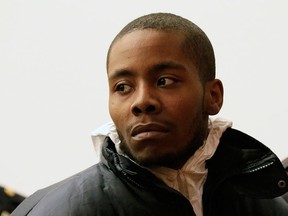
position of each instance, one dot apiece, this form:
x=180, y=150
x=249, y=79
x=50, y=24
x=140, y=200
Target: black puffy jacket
x=244, y=178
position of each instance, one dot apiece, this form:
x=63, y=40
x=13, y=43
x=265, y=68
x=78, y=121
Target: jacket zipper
x=260, y=167
x=256, y=166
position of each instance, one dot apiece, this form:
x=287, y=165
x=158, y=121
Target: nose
x=146, y=102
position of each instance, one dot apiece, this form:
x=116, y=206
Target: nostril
x=137, y=110
x=150, y=108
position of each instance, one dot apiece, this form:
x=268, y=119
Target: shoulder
x=237, y=148
x=240, y=139
x=245, y=161
x=66, y=194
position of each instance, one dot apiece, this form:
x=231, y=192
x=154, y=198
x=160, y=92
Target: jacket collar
x=248, y=165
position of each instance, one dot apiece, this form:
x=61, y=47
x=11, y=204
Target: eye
x=123, y=88
x=164, y=81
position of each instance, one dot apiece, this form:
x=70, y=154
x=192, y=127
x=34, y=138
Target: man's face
x=156, y=98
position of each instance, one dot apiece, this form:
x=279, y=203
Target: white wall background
x=53, y=89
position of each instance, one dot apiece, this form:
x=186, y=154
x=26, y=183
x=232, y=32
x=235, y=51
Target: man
x=162, y=154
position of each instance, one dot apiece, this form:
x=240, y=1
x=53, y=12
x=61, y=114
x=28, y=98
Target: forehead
x=144, y=44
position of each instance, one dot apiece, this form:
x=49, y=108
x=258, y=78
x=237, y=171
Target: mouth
x=149, y=131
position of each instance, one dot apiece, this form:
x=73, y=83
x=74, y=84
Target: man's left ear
x=213, y=96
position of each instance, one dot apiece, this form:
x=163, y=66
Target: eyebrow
x=121, y=73
x=155, y=68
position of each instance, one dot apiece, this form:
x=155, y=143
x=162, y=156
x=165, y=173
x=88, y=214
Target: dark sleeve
x=28, y=204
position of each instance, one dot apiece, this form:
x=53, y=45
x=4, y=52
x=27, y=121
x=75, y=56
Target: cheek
x=184, y=105
x=118, y=114
x=114, y=111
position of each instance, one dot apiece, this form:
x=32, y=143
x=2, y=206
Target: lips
x=148, y=130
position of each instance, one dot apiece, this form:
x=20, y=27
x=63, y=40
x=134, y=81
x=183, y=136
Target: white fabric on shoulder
x=99, y=134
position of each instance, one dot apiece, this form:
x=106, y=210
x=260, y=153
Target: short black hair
x=196, y=44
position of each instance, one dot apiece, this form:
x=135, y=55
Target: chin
x=155, y=158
